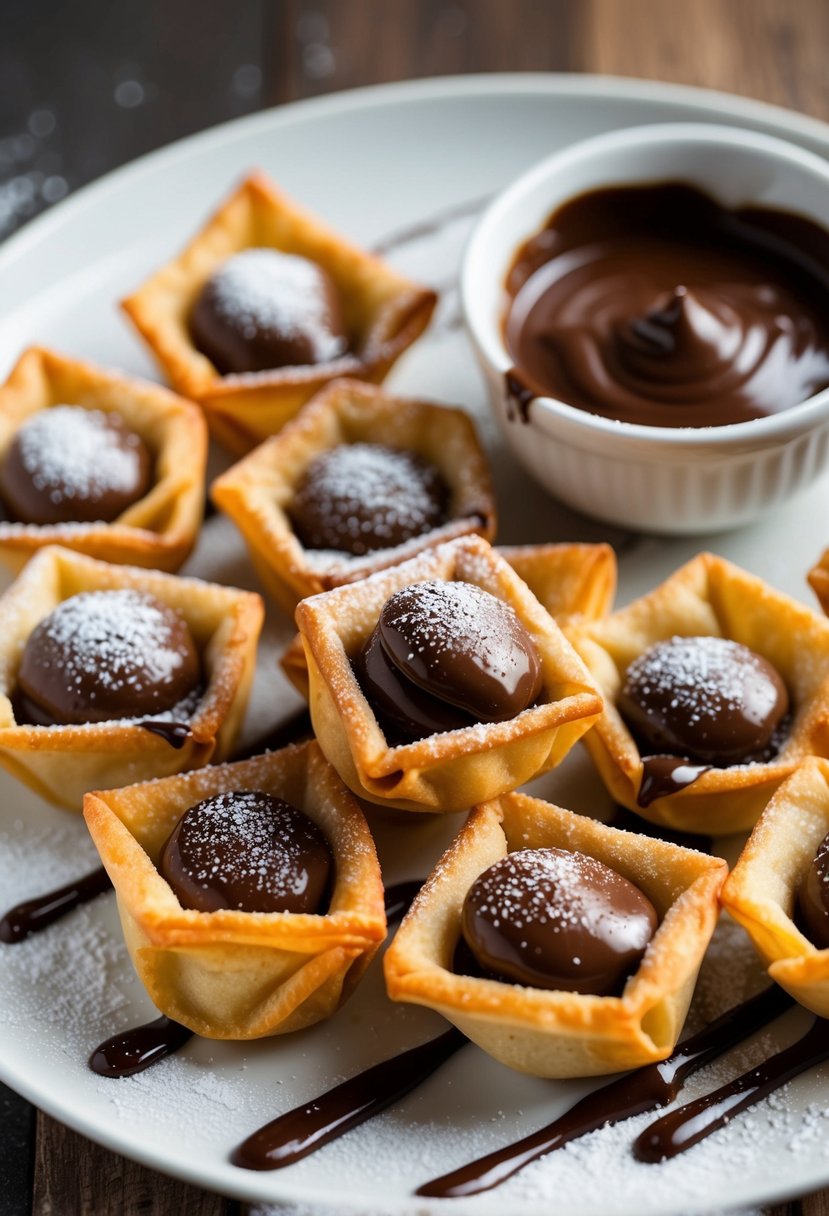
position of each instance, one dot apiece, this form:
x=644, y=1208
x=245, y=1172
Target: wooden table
x=88, y=86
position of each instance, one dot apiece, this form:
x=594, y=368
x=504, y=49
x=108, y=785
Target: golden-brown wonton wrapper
x=62, y=762
x=231, y=974
x=451, y=770
x=384, y=312
x=158, y=530
x=551, y=1033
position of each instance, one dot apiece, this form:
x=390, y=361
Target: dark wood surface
x=90, y=85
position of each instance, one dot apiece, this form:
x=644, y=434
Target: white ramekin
x=657, y=479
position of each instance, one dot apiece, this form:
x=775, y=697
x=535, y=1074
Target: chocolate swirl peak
x=360, y=497
x=444, y=655
x=105, y=655
x=263, y=309
x=813, y=897
x=705, y=698
x=547, y=918
x=247, y=850
x=656, y=305
x=68, y=464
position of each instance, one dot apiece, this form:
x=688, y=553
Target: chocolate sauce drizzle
x=686, y=1126
x=35, y=915
x=634, y=1094
x=136, y=1049
x=306, y=1128
x=399, y=898
x=174, y=733
x=665, y=775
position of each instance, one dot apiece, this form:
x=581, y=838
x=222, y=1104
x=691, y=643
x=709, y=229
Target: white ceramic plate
x=374, y=163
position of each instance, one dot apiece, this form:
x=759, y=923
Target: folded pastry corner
x=776, y=889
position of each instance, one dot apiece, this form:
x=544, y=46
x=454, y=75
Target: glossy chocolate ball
x=360, y=497
x=247, y=850
x=105, y=655
x=547, y=918
x=813, y=897
x=705, y=698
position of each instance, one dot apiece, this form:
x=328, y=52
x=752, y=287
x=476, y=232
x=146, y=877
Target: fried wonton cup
x=450, y=770
x=384, y=313
x=552, y=1033
x=710, y=597
x=231, y=974
x=573, y=582
x=762, y=889
x=62, y=762
x=160, y=528
x=258, y=491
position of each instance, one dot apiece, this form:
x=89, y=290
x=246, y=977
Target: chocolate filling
x=67, y=464
x=263, y=309
x=360, y=497
x=104, y=655
x=706, y=699
x=813, y=898
x=547, y=918
x=443, y=656
x=247, y=850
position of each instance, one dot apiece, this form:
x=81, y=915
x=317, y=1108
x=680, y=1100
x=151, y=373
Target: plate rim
x=727, y=106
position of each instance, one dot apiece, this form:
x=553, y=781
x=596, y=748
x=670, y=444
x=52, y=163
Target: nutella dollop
x=705, y=698
x=813, y=897
x=104, y=655
x=547, y=918
x=247, y=850
x=67, y=464
x=360, y=497
x=656, y=305
x=263, y=309
x=444, y=655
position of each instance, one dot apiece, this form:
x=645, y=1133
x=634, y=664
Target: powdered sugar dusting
x=122, y=638
x=261, y=289
x=363, y=496
x=70, y=452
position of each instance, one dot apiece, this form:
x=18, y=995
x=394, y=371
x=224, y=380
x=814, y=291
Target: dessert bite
x=359, y=481
x=250, y=893
x=778, y=889
x=512, y=696
x=561, y=946
x=265, y=306
x=708, y=704
x=99, y=463
x=114, y=672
